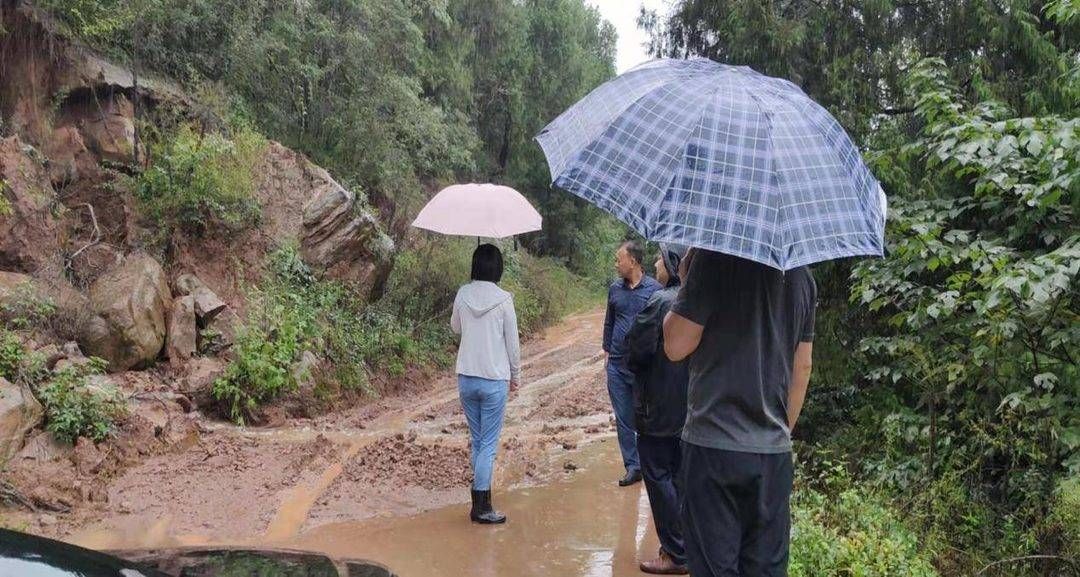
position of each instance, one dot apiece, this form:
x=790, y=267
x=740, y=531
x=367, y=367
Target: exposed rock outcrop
x=29, y=234
x=19, y=414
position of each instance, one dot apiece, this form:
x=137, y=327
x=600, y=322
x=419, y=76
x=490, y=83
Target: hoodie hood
x=481, y=297
x=673, y=255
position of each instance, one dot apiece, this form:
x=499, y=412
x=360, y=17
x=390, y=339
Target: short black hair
x=487, y=263
x=634, y=250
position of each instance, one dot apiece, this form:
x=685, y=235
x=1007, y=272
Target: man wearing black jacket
x=660, y=410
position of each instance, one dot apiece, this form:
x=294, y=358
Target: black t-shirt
x=754, y=318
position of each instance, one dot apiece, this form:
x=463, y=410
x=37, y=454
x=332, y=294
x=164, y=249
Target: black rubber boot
x=481, y=509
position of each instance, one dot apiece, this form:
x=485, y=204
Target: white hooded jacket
x=484, y=316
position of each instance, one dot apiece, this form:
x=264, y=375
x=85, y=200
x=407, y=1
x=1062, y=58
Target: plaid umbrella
x=719, y=157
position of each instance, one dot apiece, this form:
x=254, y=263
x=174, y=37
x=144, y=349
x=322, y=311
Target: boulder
x=131, y=305
x=220, y=333
x=29, y=234
x=339, y=238
x=187, y=283
x=109, y=131
x=44, y=446
x=50, y=354
x=94, y=262
x=207, y=302
x=200, y=376
x=20, y=412
x=183, y=330
x=304, y=371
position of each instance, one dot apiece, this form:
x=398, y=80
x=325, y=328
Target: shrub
x=266, y=347
x=201, y=182
x=24, y=308
x=18, y=365
x=854, y=533
x=73, y=408
x=1064, y=518
x=11, y=355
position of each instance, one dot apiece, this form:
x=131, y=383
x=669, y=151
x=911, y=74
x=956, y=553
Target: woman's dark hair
x=487, y=263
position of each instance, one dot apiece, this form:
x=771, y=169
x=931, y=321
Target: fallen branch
x=11, y=496
x=95, y=240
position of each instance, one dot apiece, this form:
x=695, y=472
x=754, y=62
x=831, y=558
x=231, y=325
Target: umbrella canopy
x=481, y=210
x=719, y=157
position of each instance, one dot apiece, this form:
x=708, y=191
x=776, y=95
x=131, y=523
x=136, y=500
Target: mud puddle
x=580, y=525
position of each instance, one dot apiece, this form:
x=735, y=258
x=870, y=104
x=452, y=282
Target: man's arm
x=684, y=325
x=681, y=336
x=800, y=379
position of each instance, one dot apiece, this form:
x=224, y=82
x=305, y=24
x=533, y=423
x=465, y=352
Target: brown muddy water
x=581, y=525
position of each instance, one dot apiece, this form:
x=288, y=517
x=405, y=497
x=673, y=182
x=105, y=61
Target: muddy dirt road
x=389, y=481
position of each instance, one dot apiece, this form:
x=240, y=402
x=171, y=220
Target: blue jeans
x=483, y=401
x=620, y=388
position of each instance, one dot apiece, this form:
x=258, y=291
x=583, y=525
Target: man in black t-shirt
x=748, y=330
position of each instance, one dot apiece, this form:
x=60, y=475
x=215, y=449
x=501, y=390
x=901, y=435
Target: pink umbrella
x=480, y=210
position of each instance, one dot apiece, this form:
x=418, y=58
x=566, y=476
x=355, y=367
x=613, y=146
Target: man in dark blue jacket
x=626, y=297
x=660, y=411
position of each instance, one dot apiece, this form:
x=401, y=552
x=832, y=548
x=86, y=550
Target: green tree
x=952, y=361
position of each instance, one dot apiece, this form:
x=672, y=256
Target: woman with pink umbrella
x=489, y=356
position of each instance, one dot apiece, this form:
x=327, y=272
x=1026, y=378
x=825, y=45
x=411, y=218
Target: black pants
x=736, y=512
x=660, y=458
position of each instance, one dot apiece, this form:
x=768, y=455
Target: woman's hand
x=514, y=385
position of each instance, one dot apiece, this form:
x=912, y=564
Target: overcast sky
x=623, y=14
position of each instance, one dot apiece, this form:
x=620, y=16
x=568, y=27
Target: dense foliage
x=202, y=181
x=950, y=364
x=397, y=96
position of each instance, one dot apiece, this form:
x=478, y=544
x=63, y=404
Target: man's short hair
x=635, y=251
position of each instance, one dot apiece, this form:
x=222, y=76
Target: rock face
x=69, y=305
x=109, y=131
x=181, y=341
x=338, y=236
x=68, y=156
x=131, y=304
x=29, y=235
x=19, y=414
